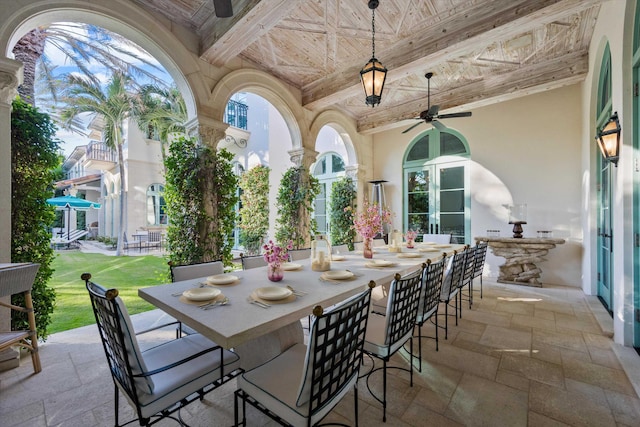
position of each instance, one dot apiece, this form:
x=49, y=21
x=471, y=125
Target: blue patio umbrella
x=69, y=202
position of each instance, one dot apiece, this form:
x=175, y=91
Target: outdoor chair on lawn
x=386, y=334
x=154, y=240
x=195, y=271
x=430, y=301
x=163, y=379
x=304, y=383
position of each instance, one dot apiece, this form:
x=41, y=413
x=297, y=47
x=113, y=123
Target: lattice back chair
x=163, y=379
x=304, y=383
x=386, y=334
x=430, y=301
x=450, y=286
x=298, y=254
x=195, y=271
x=255, y=261
x=18, y=279
x=478, y=263
x=467, y=278
x=154, y=240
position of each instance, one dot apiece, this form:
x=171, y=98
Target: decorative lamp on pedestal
x=609, y=139
x=517, y=217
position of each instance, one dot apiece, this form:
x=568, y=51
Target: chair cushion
x=177, y=383
x=195, y=271
x=275, y=385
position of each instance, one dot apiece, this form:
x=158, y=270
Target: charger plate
x=222, y=279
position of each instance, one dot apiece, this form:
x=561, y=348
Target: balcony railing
x=99, y=151
x=236, y=114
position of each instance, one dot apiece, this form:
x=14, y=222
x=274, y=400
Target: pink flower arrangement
x=410, y=235
x=276, y=254
x=370, y=220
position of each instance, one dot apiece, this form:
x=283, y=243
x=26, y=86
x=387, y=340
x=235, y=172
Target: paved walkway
x=521, y=357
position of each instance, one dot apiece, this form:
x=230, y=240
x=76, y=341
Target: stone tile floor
x=520, y=357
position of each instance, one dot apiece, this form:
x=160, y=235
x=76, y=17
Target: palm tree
x=162, y=110
x=83, y=45
x=114, y=104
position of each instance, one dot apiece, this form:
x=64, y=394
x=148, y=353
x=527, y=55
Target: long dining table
x=258, y=333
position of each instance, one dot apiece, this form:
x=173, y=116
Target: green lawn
x=127, y=274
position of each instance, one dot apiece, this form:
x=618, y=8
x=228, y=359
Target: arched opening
x=436, y=185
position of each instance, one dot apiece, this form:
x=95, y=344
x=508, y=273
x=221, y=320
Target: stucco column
x=10, y=78
x=208, y=131
x=303, y=157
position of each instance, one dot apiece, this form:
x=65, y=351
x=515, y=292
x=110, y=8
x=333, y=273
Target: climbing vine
x=298, y=189
x=254, y=214
x=343, y=195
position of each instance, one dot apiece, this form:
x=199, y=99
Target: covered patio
x=522, y=356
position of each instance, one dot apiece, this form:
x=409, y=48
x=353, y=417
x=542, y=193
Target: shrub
x=254, y=214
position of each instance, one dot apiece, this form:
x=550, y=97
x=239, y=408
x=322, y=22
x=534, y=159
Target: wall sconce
x=373, y=74
x=609, y=139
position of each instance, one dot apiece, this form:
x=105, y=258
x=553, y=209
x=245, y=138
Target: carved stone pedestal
x=522, y=256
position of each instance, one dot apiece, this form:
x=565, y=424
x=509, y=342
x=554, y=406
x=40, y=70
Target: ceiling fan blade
x=223, y=8
x=411, y=127
x=453, y=115
x=438, y=125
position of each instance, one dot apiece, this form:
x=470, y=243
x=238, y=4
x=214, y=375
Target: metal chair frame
x=478, y=263
x=430, y=301
x=334, y=358
x=450, y=292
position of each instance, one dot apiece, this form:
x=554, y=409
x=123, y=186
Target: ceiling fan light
x=373, y=76
x=609, y=139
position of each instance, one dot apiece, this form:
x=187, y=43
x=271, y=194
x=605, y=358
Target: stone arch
x=268, y=87
x=122, y=17
x=346, y=129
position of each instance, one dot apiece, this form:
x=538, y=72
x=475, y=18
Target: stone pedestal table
x=522, y=256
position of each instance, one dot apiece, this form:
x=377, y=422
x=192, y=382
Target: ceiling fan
x=223, y=8
x=430, y=115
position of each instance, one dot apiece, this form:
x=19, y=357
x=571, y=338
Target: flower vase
x=410, y=243
x=367, y=247
x=275, y=272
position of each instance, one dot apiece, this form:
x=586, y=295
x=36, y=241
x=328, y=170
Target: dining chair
x=430, y=301
x=478, y=264
x=437, y=238
x=195, y=270
x=154, y=240
x=18, y=279
x=303, y=384
x=386, y=334
x=165, y=378
x=467, y=278
x=339, y=249
x=255, y=261
x=450, y=286
x=299, y=254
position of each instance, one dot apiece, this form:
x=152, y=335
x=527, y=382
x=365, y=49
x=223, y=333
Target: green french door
x=437, y=198
x=605, y=237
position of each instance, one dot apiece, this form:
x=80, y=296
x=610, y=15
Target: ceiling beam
x=460, y=34
x=543, y=76
x=224, y=39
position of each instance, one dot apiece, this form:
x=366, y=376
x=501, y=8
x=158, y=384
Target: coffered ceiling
x=480, y=51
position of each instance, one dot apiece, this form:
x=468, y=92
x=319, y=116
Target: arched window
x=436, y=195
x=328, y=168
x=156, y=206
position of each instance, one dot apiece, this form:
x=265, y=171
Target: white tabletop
x=240, y=321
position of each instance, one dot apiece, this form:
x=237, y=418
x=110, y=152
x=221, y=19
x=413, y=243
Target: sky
x=70, y=139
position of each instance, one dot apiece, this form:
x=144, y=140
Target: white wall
x=522, y=151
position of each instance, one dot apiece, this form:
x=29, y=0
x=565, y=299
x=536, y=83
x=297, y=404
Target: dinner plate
x=201, y=294
x=222, y=279
x=379, y=263
x=428, y=250
x=409, y=255
x=337, y=274
x=337, y=258
x=289, y=266
x=441, y=246
x=428, y=243
x=273, y=293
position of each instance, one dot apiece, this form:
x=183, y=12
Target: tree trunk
x=123, y=195
x=28, y=50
